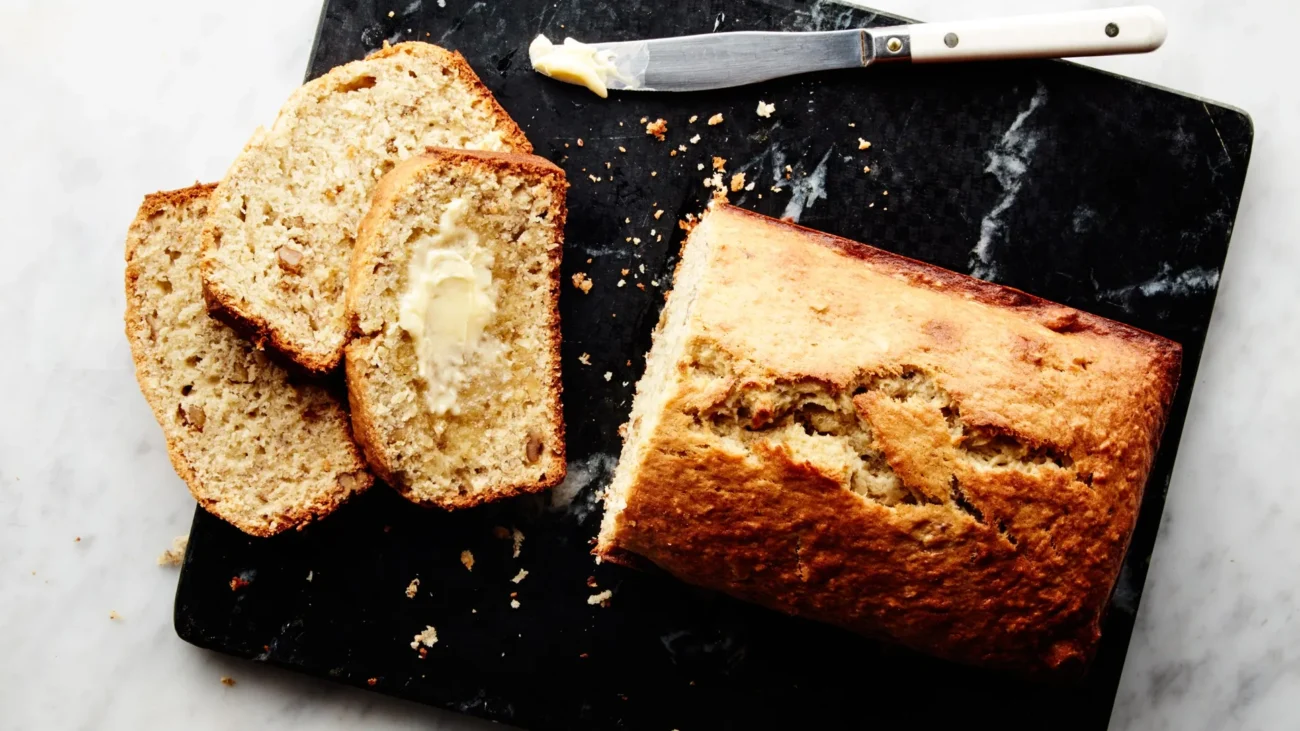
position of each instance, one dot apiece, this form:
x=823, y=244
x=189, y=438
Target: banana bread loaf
x=856, y=437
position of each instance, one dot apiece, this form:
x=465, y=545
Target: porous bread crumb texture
x=258, y=448
x=284, y=220
x=508, y=434
x=890, y=447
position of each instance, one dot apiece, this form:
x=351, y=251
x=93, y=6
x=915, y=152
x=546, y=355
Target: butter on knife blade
x=585, y=65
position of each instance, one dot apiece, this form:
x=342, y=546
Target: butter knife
x=720, y=60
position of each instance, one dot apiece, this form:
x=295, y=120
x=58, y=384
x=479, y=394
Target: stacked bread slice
x=262, y=442
x=455, y=383
x=260, y=448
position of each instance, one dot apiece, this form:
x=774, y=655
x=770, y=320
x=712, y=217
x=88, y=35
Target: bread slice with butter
x=259, y=448
x=453, y=369
x=284, y=219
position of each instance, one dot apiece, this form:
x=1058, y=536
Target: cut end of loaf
x=283, y=222
x=658, y=385
x=496, y=428
x=256, y=447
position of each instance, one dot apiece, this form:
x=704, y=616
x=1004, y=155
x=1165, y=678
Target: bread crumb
x=428, y=638
x=226, y=680
x=672, y=153
x=622, y=282
x=591, y=582
x=585, y=359
x=467, y=559
x=579, y=142
x=659, y=213
x=644, y=120
x=884, y=192
x=765, y=109
x=581, y=281
x=715, y=119
x=176, y=554
x=699, y=166
x=523, y=574
x=693, y=118
x=391, y=13
x=77, y=539
x=863, y=144
x=237, y=583
x=309, y=575
x=518, y=537
x=719, y=163
x=737, y=182
x=853, y=124
x=622, y=428
x=609, y=375
x=866, y=169
x=681, y=148
x=412, y=588
x=624, y=271
x=776, y=189
x=640, y=286
x=695, y=140
x=424, y=652
x=514, y=603
x=372, y=681
x=113, y=614
x=602, y=598
x=653, y=173
x=622, y=148
x=657, y=129
x=750, y=186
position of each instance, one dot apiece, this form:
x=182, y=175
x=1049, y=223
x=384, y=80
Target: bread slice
x=258, y=448
x=454, y=367
x=284, y=219
x=851, y=436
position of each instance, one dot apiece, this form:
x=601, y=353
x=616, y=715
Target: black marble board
x=1082, y=187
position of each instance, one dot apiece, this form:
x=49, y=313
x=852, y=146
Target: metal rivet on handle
x=950, y=40
x=1112, y=30
x=894, y=45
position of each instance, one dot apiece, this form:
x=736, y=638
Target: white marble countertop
x=104, y=102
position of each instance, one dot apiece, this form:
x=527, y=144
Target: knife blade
x=721, y=60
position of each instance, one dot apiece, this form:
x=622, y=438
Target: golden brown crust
x=137, y=333
x=383, y=200
x=1000, y=563
x=227, y=308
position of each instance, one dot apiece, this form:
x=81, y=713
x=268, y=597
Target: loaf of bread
x=284, y=219
x=258, y=448
x=848, y=435
x=454, y=369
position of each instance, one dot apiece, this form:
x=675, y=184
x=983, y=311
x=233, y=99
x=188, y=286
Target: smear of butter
x=447, y=305
x=574, y=63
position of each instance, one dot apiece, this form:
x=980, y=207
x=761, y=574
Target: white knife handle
x=1137, y=29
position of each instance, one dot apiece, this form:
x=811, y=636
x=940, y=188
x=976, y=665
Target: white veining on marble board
x=413, y=6
x=1166, y=282
x=584, y=484
x=455, y=27
x=839, y=17
x=1009, y=160
x=806, y=190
